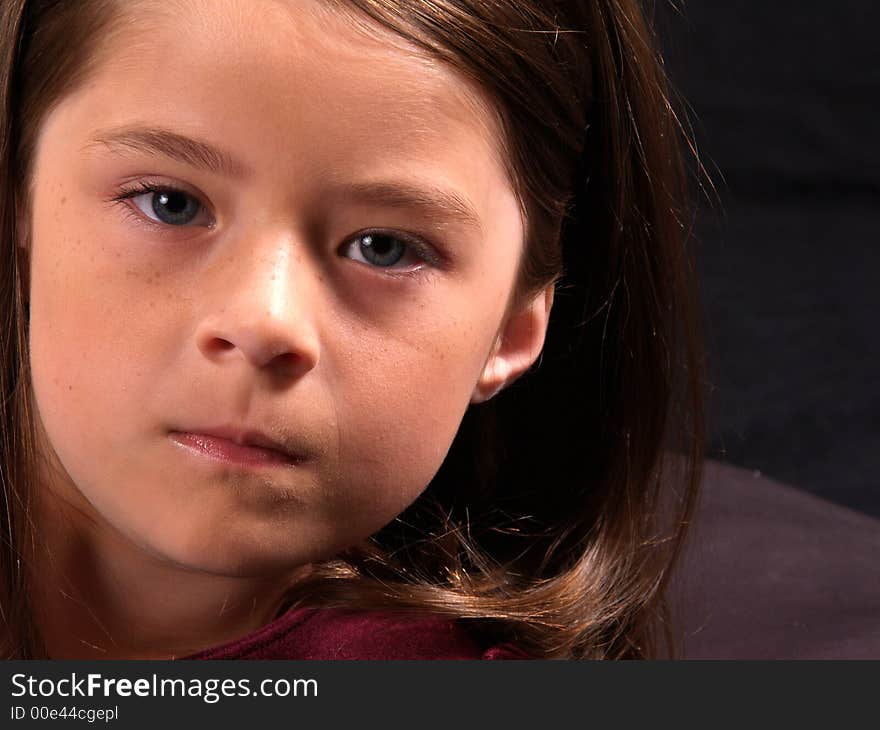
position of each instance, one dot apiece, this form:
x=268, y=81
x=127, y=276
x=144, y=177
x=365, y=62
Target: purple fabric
x=773, y=572
x=323, y=633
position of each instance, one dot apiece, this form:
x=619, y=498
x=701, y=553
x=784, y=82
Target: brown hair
x=563, y=503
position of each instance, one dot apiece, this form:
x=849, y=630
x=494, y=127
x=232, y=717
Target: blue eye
x=380, y=249
x=173, y=207
x=163, y=204
x=385, y=249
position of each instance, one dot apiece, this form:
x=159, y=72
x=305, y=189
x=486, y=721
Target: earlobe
x=517, y=346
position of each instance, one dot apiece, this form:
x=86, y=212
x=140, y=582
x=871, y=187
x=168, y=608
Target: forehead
x=269, y=67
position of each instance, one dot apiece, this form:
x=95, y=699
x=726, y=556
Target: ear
x=517, y=346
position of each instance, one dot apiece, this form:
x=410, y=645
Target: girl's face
x=326, y=259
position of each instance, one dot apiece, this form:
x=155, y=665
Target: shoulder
x=348, y=634
x=335, y=633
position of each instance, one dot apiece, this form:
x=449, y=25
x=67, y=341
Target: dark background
x=784, y=100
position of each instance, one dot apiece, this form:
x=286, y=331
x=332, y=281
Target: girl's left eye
x=165, y=204
x=385, y=250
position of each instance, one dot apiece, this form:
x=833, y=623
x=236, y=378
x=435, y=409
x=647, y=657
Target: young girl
x=342, y=329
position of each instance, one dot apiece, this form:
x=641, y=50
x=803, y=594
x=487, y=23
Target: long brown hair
x=562, y=506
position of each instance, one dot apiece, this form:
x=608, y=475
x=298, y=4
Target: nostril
x=288, y=365
x=283, y=352
x=224, y=345
x=287, y=361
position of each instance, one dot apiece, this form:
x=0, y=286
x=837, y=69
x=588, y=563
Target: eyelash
x=423, y=250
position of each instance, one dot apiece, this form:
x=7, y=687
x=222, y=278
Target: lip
x=246, y=448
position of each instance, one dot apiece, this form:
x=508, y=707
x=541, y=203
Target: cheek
x=91, y=336
x=403, y=403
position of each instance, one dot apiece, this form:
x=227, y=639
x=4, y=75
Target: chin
x=222, y=552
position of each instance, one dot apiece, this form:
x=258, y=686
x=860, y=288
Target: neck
x=99, y=596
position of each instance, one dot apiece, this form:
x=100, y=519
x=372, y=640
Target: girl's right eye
x=164, y=204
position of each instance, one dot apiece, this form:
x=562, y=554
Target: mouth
x=227, y=451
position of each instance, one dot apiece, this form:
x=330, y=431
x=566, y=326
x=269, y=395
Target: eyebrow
x=158, y=141
x=434, y=202
x=442, y=205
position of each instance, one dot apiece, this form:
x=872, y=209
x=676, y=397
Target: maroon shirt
x=336, y=633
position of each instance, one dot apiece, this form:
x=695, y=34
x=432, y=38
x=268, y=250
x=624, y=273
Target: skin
x=258, y=312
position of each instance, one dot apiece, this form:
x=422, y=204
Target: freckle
x=70, y=387
x=63, y=199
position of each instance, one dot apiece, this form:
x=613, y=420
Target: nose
x=262, y=310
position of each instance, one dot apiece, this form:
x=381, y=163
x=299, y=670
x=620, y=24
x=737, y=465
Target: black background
x=784, y=100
